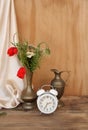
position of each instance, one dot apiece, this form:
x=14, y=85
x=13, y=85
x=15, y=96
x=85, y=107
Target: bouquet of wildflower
x=28, y=55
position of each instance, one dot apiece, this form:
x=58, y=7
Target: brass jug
x=58, y=83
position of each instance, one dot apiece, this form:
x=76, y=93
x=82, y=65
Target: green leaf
x=47, y=51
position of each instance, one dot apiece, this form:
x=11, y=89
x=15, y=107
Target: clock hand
x=47, y=104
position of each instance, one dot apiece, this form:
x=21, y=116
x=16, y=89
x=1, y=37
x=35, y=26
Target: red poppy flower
x=12, y=51
x=21, y=72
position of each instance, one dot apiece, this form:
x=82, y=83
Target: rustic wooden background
x=63, y=24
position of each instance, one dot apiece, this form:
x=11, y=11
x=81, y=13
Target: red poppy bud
x=21, y=72
x=12, y=51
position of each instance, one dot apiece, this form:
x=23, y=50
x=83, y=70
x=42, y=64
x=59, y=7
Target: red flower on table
x=21, y=72
x=12, y=51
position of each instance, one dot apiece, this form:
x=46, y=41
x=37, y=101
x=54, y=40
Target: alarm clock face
x=47, y=103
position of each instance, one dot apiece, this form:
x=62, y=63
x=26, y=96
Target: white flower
x=30, y=54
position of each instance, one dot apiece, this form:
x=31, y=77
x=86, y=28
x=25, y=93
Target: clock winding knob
x=54, y=92
x=39, y=92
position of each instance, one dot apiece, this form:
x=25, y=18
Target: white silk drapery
x=10, y=85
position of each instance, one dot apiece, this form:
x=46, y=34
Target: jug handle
x=56, y=71
x=67, y=76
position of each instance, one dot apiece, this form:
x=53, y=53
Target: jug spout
x=57, y=73
x=55, y=70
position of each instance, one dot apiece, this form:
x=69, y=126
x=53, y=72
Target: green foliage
x=31, y=63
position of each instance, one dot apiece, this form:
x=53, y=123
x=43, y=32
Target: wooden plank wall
x=63, y=24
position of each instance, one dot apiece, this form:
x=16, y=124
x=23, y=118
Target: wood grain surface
x=63, y=24
x=73, y=116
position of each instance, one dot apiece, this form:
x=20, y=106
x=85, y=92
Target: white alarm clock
x=47, y=101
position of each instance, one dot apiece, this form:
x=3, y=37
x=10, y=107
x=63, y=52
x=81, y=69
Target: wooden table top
x=73, y=116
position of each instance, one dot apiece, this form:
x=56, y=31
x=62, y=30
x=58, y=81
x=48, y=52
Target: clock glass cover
x=47, y=103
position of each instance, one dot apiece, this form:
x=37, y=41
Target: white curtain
x=10, y=85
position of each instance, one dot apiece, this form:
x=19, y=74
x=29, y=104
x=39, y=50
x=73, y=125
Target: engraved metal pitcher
x=58, y=83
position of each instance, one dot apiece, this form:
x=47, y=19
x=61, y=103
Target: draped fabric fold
x=10, y=85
